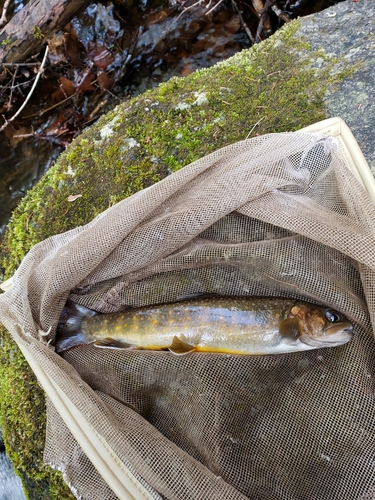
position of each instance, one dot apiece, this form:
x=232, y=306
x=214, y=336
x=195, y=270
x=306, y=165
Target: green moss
x=22, y=411
x=37, y=32
x=270, y=88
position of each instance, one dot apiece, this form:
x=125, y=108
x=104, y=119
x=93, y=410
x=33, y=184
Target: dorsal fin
x=179, y=347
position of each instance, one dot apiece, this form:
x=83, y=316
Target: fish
x=230, y=325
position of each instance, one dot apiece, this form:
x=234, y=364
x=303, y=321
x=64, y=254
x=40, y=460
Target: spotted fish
x=232, y=325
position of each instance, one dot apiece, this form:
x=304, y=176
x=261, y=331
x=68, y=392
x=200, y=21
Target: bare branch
x=253, y=127
x=214, y=7
x=244, y=25
x=40, y=71
x=11, y=89
x=282, y=15
x=36, y=63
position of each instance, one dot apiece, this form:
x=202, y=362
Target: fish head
x=316, y=326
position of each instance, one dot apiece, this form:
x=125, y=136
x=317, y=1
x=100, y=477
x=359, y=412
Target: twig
x=24, y=136
x=260, y=26
x=23, y=84
x=3, y=18
x=54, y=106
x=11, y=89
x=36, y=63
x=263, y=18
x=282, y=15
x=186, y=9
x=244, y=26
x=253, y=127
x=214, y=7
x=96, y=109
x=113, y=95
x=30, y=216
x=40, y=70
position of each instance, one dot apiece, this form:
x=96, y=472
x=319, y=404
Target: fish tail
x=71, y=330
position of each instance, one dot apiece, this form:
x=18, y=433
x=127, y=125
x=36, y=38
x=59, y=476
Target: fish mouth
x=333, y=335
x=337, y=333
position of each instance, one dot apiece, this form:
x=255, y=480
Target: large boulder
x=314, y=68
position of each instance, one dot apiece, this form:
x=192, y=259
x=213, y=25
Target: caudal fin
x=71, y=330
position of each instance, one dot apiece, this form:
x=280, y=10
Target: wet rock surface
x=346, y=32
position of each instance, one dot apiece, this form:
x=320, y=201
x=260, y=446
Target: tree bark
x=29, y=29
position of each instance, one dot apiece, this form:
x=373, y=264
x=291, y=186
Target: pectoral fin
x=290, y=329
x=179, y=347
x=110, y=343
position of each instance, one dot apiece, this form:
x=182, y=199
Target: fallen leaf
x=83, y=81
x=73, y=47
x=156, y=17
x=99, y=55
x=233, y=25
x=73, y=197
x=66, y=89
x=104, y=81
x=187, y=69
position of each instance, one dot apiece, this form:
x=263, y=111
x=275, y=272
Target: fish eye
x=332, y=316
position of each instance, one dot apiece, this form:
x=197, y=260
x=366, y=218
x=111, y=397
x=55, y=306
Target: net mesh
x=277, y=215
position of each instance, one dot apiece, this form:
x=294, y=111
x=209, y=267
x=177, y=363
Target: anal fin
x=179, y=347
x=111, y=343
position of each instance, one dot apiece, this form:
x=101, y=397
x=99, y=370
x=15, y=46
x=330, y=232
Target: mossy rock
x=273, y=87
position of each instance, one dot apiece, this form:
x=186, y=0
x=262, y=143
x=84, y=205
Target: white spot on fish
x=268, y=337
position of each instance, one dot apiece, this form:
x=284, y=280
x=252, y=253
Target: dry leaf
x=156, y=17
x=73, y=197
x=83, y=81
x=73, y=47
x=104, y=81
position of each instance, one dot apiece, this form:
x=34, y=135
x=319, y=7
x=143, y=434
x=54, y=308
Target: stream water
x=10, y=484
